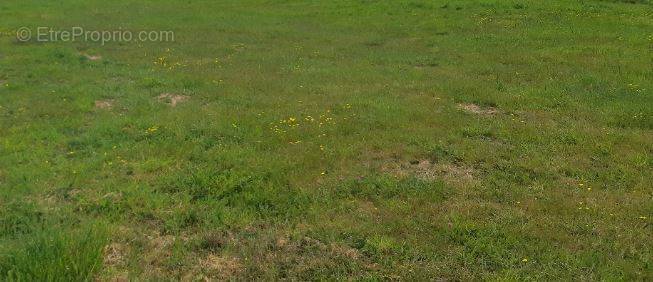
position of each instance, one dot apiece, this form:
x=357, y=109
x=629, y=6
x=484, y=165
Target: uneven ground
x=458, y=140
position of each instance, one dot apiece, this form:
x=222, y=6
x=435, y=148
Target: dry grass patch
x=305, y=254
x=114, y=262
x=157, y=250
x=114, y=255
x=222, y=266
x=429, y=171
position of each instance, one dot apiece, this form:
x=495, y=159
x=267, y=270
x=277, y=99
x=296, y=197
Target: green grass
x=327, y=140
x=54, y=255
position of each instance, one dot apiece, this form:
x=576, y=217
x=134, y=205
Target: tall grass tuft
x=55, y=255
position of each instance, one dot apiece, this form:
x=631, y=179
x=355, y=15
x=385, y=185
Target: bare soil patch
x=104, y=104
x=172, y=99
x=92, y=57
x=476, y=109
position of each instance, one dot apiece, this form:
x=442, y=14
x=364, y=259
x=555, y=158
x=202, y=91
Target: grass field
x=313, y=140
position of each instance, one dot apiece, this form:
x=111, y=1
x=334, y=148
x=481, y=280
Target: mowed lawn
x=312, y=140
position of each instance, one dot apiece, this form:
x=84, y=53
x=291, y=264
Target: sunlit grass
x=414, y=140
